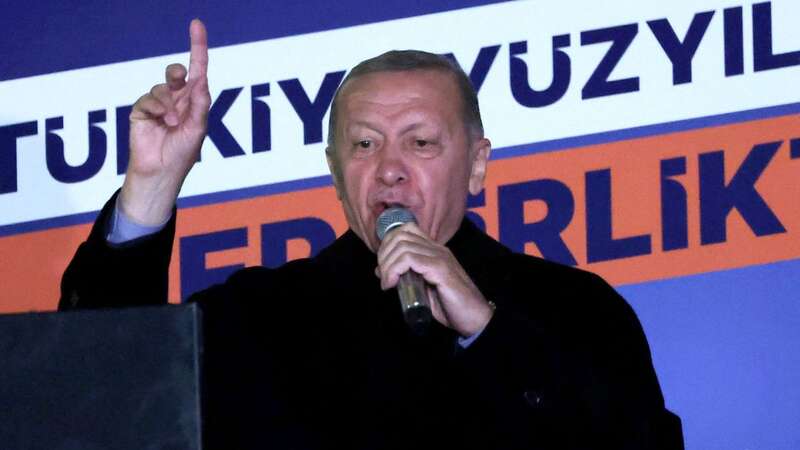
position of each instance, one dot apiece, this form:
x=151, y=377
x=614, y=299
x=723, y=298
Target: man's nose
x=392, y=168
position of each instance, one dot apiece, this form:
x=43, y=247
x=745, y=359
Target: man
x=315, y=354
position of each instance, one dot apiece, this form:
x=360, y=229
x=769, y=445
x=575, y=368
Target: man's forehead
x=433, y=90
x=404, y=82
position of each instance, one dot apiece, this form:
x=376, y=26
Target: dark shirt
x=315, y=355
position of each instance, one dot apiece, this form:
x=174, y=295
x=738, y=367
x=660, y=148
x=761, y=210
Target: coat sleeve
x=106, y=275
x=570, y=368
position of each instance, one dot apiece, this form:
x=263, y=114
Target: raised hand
x=167, y=128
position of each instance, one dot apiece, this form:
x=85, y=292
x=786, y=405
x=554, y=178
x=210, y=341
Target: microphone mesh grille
x=391, y=218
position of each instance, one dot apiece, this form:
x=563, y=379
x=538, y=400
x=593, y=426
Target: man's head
x=408, y=60
x=405, y=129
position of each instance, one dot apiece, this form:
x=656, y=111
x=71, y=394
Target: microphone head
x=391, y=218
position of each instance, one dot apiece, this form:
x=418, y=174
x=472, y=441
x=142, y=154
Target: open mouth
x=383, y=206
x=379, y=208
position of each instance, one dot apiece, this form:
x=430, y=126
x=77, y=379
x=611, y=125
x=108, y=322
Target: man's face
x=401, y=140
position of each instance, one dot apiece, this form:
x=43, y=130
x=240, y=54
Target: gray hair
x=408, y=60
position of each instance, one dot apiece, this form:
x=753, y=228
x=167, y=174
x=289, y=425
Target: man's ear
x=480, y=160
x=330, y=156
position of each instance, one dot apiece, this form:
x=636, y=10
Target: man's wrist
x=121, y=228
x=147, y=202
x=466, y=341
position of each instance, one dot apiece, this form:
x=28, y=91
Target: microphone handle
x=413, y=293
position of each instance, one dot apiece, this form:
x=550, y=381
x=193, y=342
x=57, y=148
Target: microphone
x=411, y=287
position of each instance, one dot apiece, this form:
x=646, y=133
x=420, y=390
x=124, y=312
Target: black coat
x=314, y=355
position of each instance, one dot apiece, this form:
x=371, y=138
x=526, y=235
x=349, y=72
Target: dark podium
x=101, y=379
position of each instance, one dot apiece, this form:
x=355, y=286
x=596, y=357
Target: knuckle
x=406, y=236
x=407, y=258
x=175, y=67
x=204, y=100
x=140, y=101
x=158, y=89
x=145, y=104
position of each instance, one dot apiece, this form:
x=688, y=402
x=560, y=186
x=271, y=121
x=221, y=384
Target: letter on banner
x=523, y=93
x=734, y=41
x=717, y=199
x=274, y=237
x=546, y=233
x=763, y=58
x=600, y=243
x=681, y=53
x=8, y=153
x=260, y=118
x=477, y=75
x=55, y=153
x=217, y=131
x=193, y=249
x=123, y=137
x=311, y=113
x=598, y=84
x=674, y=218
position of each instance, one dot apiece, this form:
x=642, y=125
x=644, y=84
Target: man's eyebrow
x=413, y=126
x=362, y=124
x=422, y=122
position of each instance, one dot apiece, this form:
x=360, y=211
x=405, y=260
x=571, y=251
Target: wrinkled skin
x=401, y=140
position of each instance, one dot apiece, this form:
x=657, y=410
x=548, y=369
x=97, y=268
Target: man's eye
x=421, y=142
x=366, y=143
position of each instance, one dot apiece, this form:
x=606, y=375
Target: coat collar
x=349, y=256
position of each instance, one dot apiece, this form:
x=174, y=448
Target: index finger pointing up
x=198, y=54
